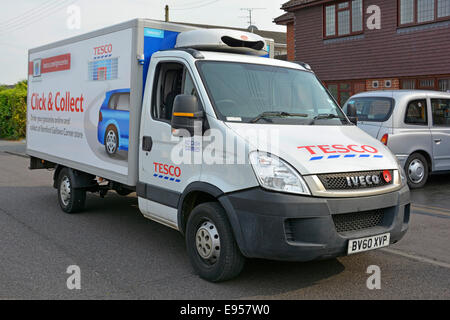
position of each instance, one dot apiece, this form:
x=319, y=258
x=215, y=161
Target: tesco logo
x=339, y=148
x=166, y=169
x=102, y=50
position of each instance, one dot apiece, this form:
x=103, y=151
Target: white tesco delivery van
x=245, y=155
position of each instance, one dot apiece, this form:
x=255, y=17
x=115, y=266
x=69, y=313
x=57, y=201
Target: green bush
x=13, y=111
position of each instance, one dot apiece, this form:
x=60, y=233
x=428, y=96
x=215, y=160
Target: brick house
x=410, y=50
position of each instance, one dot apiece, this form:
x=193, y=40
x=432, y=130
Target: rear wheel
x=71, y=200
x=210, y=243
x=111, y=140
x=416, y=169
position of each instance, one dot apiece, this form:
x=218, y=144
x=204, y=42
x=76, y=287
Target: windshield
x=254, y=93
x=374, y=109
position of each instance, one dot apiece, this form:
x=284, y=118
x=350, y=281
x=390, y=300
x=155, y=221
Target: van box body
x=70, y=80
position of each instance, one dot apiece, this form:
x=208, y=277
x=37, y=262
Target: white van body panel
x=234, y=172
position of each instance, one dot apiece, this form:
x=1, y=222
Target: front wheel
x=416, y=169
x=210, y=243
x=71, y=200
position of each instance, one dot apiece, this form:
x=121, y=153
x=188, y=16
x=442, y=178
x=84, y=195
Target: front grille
x=358, y=221
x=338, y=181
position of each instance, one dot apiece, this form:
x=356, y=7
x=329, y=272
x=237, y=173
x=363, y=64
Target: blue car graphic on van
x=114, y=121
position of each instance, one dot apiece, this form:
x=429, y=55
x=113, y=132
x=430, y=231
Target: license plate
x=369, y=243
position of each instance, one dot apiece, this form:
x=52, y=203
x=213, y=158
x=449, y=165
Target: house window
x=426, y=84
x=407, y=11
x=423, y=11
x=330, y=13
x=444, y=85
x=343, y=19
x=333, y=88
x=409, y=84
x=443, y=8
x=342, y=91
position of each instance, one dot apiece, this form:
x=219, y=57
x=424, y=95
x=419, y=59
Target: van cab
x=324, y=185
x=414, y=124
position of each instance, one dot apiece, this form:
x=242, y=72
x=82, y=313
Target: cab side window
x=416, y=112
x=441, y=112
x=171, y=79
x=168, y=83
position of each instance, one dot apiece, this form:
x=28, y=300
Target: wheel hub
x=111, y=141
x=65, y=191
x=207, y=242
x=416, y=171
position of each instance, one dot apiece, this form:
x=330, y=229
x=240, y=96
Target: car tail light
x=384, y=139
x=100, y=117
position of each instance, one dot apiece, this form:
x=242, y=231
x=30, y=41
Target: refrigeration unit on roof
x=223, y=40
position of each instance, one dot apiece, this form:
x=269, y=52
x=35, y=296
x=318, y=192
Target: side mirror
x=351, y=113
x=186, y=115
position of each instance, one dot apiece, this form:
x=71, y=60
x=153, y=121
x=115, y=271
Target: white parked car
x=414, y=124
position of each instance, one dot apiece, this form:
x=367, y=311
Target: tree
x=13, y=111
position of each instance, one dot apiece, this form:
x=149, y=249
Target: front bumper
x=279, y=226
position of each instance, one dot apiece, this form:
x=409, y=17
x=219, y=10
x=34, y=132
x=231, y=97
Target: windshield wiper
x=277, y=114
x=324, y=116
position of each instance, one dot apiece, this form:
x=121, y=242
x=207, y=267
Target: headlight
x=275, y=174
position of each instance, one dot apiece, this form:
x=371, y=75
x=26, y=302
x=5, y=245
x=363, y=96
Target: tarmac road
x=123, y=255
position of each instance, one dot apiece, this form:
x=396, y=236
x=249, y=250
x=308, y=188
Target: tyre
x=417, y=171
x=111, y=140
x=123, y=192
x=70, y=200
x=212, y=249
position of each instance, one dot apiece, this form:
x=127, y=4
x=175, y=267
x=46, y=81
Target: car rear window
x=376, y=109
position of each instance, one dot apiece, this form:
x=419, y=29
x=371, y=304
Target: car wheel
x=71, y=200
x=210, y=243
x=416, y=169
x=111, y=140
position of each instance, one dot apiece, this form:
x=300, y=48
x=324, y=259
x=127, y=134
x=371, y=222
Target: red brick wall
x=290, y=42
x=380, y=54
x=395, y=84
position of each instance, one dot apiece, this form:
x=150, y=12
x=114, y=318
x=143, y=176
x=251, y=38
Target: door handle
x=437, y=140
x=147, y=143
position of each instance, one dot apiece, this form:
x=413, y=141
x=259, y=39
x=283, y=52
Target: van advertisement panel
x=79, y=101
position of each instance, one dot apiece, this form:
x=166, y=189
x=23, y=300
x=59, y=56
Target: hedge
x=13, y=111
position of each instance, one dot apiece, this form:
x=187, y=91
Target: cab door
x=440, y=131
x=164, y=173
